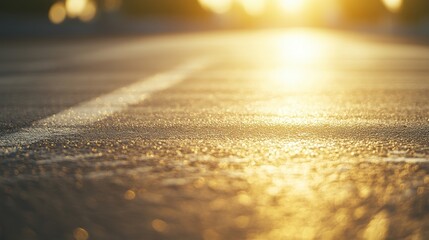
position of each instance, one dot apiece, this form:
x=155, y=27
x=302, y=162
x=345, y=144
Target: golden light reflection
x=256, y=7
x=57, y=13
x=302, y=48
x=253, y=7
x=393, y=5
x=378, y=227
x=295, y=181
x=129, y=195
x=159, y=225
x=292, y=6
x=297, y=52
x=84, y=10
x=80, y=234
x=75, y=7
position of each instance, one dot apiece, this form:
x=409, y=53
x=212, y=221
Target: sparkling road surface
x=275, y=134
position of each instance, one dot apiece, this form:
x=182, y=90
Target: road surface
x=273, y=134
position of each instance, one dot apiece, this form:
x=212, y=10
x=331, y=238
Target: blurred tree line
x=352, y=10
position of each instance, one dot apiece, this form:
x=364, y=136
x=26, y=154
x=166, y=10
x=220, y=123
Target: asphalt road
x=279, y=134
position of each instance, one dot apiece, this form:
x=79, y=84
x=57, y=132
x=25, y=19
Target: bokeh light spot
x=80, y=234
x=89, y=12
x=57, y=13
x=129, y=195
x=159, y=225
x=393, y=5
x=75, y=7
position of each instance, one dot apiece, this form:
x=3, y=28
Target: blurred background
x=83, y=17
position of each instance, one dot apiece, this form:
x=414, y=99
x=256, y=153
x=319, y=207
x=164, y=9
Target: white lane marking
x=420, y=159
x=71, y=120
x=406, y=160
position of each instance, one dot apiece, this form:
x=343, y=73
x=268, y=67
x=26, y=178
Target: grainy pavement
x=273, y=134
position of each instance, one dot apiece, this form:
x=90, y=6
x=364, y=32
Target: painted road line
x=71, y=120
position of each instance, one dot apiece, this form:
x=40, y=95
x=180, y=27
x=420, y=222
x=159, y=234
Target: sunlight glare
x=75, y=7
x=216, y=6
x=298, y=52
x=393, y=5
x=292, y=6
x=301, y=48
x=253, y=7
